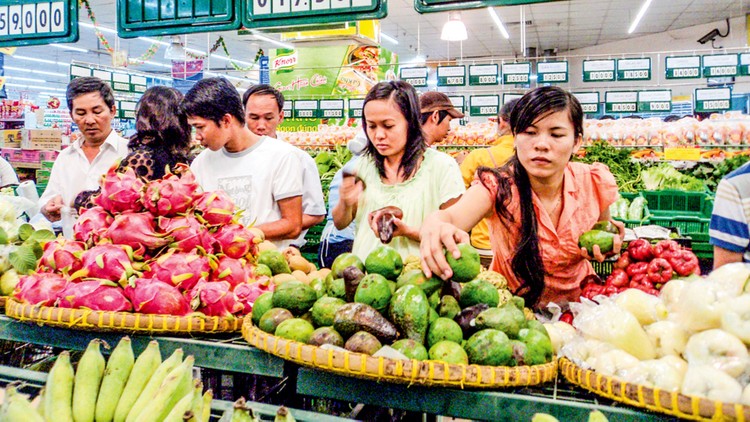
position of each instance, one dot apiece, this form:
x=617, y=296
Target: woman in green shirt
x=397, y=170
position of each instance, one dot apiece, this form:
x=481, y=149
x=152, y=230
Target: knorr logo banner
x=285, y=61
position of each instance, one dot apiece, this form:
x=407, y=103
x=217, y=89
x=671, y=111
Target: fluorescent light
x=34, y=59
x=154, y=41
x=388, y=38
x=40, y=72
x=18, y=78
x=67, y=47
x=454, y=29
x=157, y=64
x=498, y=22
x=272, y=41
x=99, y=27
x=639, y=16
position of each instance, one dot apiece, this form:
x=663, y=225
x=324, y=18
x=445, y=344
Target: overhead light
x=454, y=29
x=40, y=72
x=388, y=38
x=157, y=64
x=154, y=41
x=18, y=78
x=639, y=16
x=176, y=49
x=259, y=36
x=34, y=59
x=498, y=22
x=99, y=27
x=67, y=47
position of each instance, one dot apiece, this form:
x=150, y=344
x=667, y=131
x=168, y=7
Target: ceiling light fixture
x=40, y=72
x=639, y=16
x=99, y=27
x=157, y=64
x=34, y=59
x=176, y=49
x=260, y=36
x=154, y=41
x=498, y=22
x=18, y=78
x=454, y=29
x=388, y=38
x=67, y=47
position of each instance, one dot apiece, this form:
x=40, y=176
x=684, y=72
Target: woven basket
x=430, y=373
x=667, y=402
x=127, y=322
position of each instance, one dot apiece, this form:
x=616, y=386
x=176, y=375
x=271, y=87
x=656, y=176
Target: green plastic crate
x=702, y=248
x=688, y=225
x=674, y=203
x=603, y=269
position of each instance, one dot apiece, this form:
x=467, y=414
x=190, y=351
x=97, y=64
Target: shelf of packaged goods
x=19, y=164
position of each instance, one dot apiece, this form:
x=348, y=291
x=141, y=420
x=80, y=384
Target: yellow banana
x=197, y=406
x=58, y=398
x=157, y=400
x=207, y=397
x=88, y=378
x=143, y=369
x=181, y=409
x=17, y=407
x=116, y=374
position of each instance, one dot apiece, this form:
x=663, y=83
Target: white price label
x=261, y=7
x=300, y=5
x=304, y=113
x=723, y=71
x=553, y=77
x=686, y=73
x=488, y=110
x=455, y=80
x=33, y=18
x=281, y=6
x=4, y=20
x=516, y=78
x=43, y=21
x=417, y=81
x=14, y=20
x=28, y=18
x=659, y=106
x=635, y=74
x=715, y=105
x=598, y=76
x=589, y=108
x=321, y=4
x=623, y=108
x=333, y=113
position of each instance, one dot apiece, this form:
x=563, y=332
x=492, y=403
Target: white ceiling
x=561, y=25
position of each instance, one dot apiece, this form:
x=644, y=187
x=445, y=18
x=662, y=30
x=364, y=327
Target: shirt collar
x=111, y=140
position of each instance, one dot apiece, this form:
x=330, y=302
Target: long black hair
x=159, y=121
x=527, y=262
x=405, y=97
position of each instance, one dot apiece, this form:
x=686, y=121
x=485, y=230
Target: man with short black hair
x=261, y=175
x=80, y=166
x=437, y=112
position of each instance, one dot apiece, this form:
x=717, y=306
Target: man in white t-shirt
x=80, y=166
x=264, y=112
x=261, y=175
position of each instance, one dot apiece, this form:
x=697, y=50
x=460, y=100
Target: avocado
x=448, y=307
x=346, y=259
x=606, y=226
x=467, y=267
x=294, y=295
x=605, y=240
x=507, y=319
x=539, y=347
x=335, y=287
x=272, y=318
x=410, y=311
x=274, y=260
x=518, y=302
x=417, y=278
x=489, y=347
x=363, y=342
x=324, y=309
x=262, y=304
x=479, y=291
x=466, y=319
x=533, y=324
x=449, y=352
x=433, y=316
x=353, y=317
x=434, y=300
x=373, y=290
x=352, y=277
x=444, y=329
x=411, y=349
x=319, y=286
x=386, y=261
x=296, y=329
x=326, y=335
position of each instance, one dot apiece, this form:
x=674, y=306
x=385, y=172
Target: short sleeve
x=604, y=185
x=313, y=202
x=729, y=223
x=287, y=180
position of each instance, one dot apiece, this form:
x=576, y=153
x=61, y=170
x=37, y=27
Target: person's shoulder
x=439, y=159
x=743, y=170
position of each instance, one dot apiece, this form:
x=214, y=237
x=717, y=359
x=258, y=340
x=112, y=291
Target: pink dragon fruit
x=172, y=194
x=180, y=269
x=151, y=296
x=120, y=191
x=97, y=295
x=235, y=241
x=136, y=230
x=41, y=288
x=216, y=208
x=215, y=298
x=233, y=271
x=91, y=224
x=188, y=233
x=247, y=292
x=61, y=255
x=110, y=262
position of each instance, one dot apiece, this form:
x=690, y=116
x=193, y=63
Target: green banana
x=58, y=399
x=185, y=386
x=116, y=374
x=17, y=407
x=242, y=412
x=157, y=404
x=143, y=369
x=284, y=415
x=207, y=397
x=40, y=401
x=197, y=406
x=88, y=379
x=181, y=410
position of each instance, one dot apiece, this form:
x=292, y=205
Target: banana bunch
x=123, y=389
x=241, y=412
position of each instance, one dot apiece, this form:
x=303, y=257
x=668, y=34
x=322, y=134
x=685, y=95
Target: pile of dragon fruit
x=159, y=247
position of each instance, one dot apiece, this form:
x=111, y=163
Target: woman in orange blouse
x=538, y=204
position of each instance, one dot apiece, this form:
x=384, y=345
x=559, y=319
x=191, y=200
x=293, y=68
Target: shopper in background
x=397, y=170
x=730, y=221
x=437, y=111
x=261, y=175
x=538, y=204
x=8, y=176
x=495, y=156
x=264, y=110
x=334, y=242
x=80, y=166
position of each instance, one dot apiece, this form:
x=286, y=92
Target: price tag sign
x=137, y=18
x=127, y=109
x=35, y=22
x=121, y=82
x=484, y=105
x=712, y=99
x=516, y=73
x=720, y=65
x=451, y=76
x=620, y=102
x=509, y=96
x=266, y=13
x=634, y=69
x=78, y=71
x=683, y=67
x=458, y=102
x=599, y=70
x=288, y=108
x=483, y=74
x=306, y=109
x=331, y=109
x=655, y=101
x=589, y=101
x=552, y=72
x=138, y=83
x=745, y=64
x=416, y=76
x=355, y=107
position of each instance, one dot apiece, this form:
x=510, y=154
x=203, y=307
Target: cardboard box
x=47, y=165
x=42, y=176
x=12, y=154
x=41, y=139
x=10, y=138
x=48, y=156
x=30, y=156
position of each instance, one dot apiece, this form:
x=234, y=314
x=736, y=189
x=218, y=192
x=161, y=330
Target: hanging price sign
x=599, y=70
x=634, y=69
x=331, y=109
x=458, y=102
x=589, y=101
x=483, y=74
x=621, y=101
x=484, y=105
x=416, y=76
x=552, y=72
x=306, y=109
x=683, y=67
x=720, y=65
x=712, y=99
x=516, y=73
x=355, y=107
x=745, y=64
x=34, y=22
x=655, y=101
x=451, y=76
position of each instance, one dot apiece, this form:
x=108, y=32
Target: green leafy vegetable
x=627, y=172
x=664, y=176
x=23, y=259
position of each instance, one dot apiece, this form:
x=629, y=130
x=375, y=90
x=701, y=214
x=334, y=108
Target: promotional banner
x=3, y=94
x=265, y=76
x=186, y=73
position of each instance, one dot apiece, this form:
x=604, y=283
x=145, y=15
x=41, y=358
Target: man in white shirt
x=80, y=166
x=260, y=174
x=264, y=112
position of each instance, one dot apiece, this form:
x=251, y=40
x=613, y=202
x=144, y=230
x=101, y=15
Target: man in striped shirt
x=730, y=233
